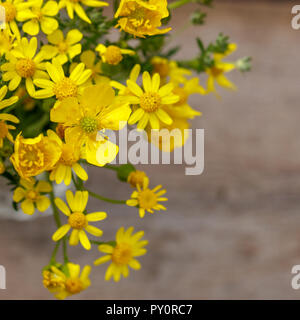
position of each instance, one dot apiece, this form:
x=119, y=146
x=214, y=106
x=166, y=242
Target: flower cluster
x=62, y=88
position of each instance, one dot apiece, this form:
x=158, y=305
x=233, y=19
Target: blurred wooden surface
x=232, y=232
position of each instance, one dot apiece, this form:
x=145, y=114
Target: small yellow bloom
x=6, y=41
x=169, y=69
x=112, y=54
x=30, y=194
x=67, y=283
x=2, y=167
x=78, y=221
x=217, y=72
x=27, y=102
x=4, y=127
x=62, y=48
x=34, y=156
x=42, y=14
x=15, y=10
x=86, y=119
x=60, y=86
x=150, y=101
x=142, y=18
x=146, y=199
x=75, y=5
x=136, y=178
x=68, y=160
x=122, y=255
x=24, y=63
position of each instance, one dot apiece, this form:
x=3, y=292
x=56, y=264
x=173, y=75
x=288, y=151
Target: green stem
x=97, y=196
x=109, y=166
x=53, y=256
x=177, y=4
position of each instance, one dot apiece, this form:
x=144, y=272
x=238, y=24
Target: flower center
x=183, y=96
x=122, y=254
x=147, y=199
x=77, y=220
x=65, y=88
x=113, y=55
x=51, y=281
x=39, y=14
x=31, y=156
x=216, y=71
x=136, y=178
x=150, y=101
x=32, y=195
x=3, y=130
x=67, y=156
x=162, y=68
x=88, y=124
x=74, y=286
x=25, y=68
x=10, y=11
x=62, y=47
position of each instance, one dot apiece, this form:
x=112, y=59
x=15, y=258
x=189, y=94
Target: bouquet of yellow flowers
x=65, y=84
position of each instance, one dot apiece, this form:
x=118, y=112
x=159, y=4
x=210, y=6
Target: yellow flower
x=2, y=167
x=142, y=18
x=6, y=41
x=24, y=63
x=4, y=127
x=151, y=101
x=166, y=68
x=75, y=5
x=15, y=10
x=27, y=102
x=60, y=86
x=112, y=54
x=89, y=59
x=63, y=48
x=34, y=156
x=30, y=194
x=67, y=283
x=41, y=15
x=136, y=178
x=95, y=110
x=122, y=255
x=217, y=72
x=146, y=199
x=68, y=160
x=78, y=221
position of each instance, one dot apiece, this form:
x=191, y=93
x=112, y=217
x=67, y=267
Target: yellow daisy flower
x=4, y=127
x=6, y=41
x=146, y=199
x=30, y=194
x=75, y=5
x=60, y=86
x=78, y=221
x=42, y=15
x=67, y=283
x=34, y=156
x=151, y=101
x=122, y=255
x=169, y=69
x=142, y=18
x=112, y=54
x=86, y=119
x=15, y=10
x=89, y=59
x=136, y=178
x=68, y=160
x=63, y=48
x=24, y=63
x=217, y=72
